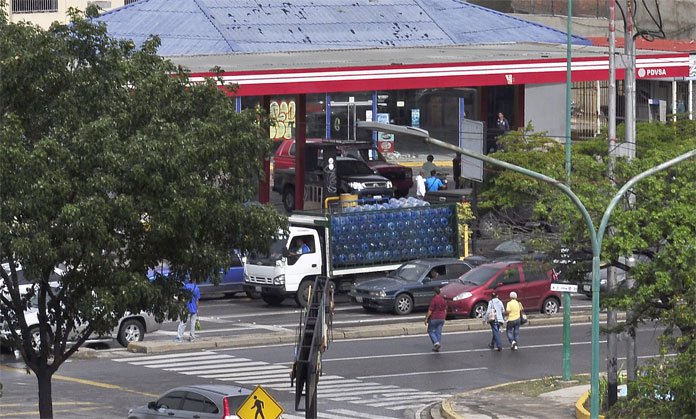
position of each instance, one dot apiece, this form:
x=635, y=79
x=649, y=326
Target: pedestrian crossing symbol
x=259, y=405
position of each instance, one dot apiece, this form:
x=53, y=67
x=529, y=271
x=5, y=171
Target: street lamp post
x=595, y=235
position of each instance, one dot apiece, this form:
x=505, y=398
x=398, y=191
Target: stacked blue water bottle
x=395, y=231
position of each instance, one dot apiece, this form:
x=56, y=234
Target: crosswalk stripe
x=229, y=362
x=400, y=402
x=242, y=371
x=264, y=374
x=323, y=384
x=374, y=391
x=362, y=414
x=132, y=359
x=223, y=367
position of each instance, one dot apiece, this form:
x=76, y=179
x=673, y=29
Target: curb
x=580, y=411
x=274, y=338
x=413, y=164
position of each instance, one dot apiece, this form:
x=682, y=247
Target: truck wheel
x=272, y=300
x=403, y=304
x=479, y=309
x=289, y=198
x=131, y=330
x=302, y=294
x=254, y=295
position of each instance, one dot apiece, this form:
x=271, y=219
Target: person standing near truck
x=433, y=183
x=457, y=169
x=420, y=185
x=429, y=166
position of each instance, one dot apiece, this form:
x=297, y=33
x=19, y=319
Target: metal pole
x=569, y=82
x=595, y=235
x=612, y=358
x=630, y=82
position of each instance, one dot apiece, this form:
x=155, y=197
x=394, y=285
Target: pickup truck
x=353, y=176
x=400, y=176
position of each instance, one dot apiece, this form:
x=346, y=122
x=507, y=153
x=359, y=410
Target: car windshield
x=479, y=275
x=410, y=272
x=352, y=168
x=275, y=252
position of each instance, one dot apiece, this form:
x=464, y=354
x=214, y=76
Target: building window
x=33, y=6
x=127, y=2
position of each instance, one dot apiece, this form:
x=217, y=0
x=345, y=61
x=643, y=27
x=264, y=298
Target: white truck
x=358, y=240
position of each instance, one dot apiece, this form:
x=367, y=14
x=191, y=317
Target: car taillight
x=226, y=414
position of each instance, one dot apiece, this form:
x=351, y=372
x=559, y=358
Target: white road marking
x=404, y=374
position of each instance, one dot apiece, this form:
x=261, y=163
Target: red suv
x=400, y=176
x=469, y=295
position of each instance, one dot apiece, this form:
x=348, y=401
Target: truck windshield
x=410, y=272
x=275, y=253
x=352, y=168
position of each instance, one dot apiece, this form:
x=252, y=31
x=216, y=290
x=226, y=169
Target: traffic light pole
x=595, y=235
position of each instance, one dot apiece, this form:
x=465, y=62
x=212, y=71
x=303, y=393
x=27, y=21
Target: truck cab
x=283, y=265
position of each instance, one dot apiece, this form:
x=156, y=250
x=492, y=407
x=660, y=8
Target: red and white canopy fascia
x=422, y=76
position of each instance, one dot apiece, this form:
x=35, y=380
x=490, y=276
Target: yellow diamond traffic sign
x=259, y=405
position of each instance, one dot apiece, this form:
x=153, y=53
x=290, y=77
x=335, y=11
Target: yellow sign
x=259, y=405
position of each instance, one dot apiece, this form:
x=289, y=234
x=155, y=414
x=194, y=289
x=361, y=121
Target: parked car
x=204, y=401
x=231, y=279
x=409, y=286
x=131, y=327
x=400, y=176
x=586, y=285
x=469, y=294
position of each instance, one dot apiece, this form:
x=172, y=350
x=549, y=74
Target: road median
x=343, y=333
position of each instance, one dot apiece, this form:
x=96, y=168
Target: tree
x=112, y=162
x=657, y=221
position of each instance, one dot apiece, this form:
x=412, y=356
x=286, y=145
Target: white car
x=130, y=328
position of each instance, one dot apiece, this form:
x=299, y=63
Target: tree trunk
x=43, y=378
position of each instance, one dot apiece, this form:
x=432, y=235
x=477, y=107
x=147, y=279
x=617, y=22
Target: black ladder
x=313, y=340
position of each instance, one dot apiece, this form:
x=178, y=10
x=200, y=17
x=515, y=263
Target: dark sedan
x=411, y=286
x=197, y=401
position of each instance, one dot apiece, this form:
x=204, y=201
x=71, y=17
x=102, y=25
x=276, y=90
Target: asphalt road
x=239, y=314
x=364, y=378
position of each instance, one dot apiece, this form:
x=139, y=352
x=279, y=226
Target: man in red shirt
x=435, y=319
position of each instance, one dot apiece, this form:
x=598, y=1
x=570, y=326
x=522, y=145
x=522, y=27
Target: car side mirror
x=152, y=405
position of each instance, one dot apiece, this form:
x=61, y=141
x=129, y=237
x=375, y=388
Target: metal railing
x=34, y=6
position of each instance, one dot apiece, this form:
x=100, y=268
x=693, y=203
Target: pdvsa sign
x=652, y=72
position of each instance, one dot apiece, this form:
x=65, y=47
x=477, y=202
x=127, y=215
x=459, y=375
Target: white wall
x=544, y=106
x=44, y=19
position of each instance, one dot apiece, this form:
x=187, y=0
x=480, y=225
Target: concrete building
x=45, y=12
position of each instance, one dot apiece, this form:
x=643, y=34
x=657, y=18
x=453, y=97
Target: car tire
x=302, y=294
x=131, y=330
x=272, y=299
x=254, y=295
x=479, y=309
x=550, y=306
x=403, y=304
x=289, y=198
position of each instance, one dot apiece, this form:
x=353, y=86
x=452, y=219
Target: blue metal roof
x=203, y=27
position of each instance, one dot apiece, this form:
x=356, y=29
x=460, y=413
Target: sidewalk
x=500, y=403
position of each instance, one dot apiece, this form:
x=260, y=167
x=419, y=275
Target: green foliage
x=658, y=221
x=113, y=161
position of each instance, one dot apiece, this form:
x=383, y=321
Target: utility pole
x=631, y=356
x=612, y=376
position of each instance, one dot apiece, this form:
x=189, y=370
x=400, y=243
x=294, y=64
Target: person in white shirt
x=420, y=185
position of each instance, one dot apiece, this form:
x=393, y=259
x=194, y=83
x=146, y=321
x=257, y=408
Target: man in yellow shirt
x=514, y=312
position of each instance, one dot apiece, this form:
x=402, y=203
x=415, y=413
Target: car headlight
x=462, y=296
x=279, y=280
x=602, y=282
x=380, y=293
x=389, y=184
x=358, y=186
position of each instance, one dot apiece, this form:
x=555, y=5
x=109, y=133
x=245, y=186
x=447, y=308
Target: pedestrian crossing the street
x=248, y=372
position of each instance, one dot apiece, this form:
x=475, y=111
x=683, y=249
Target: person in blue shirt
x=301, y=247
x=192, y=307
x=433, y=183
